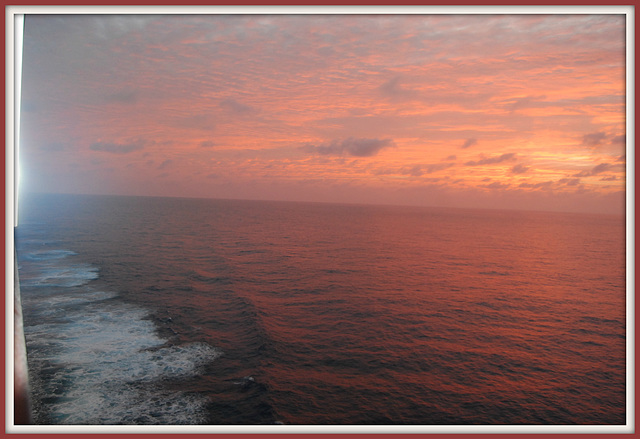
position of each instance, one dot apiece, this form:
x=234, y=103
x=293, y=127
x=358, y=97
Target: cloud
x=569, y=181
x=619, y=140
x=496, y=185
x=351, y=146
x=123, y=97
x=526, y=102
x=542, y=184
x=417, y=80
x=236, y=107
x=492, y=160
x=203, y=121
x=393, y=88
x=602, y=167
x=415, y=170
x=54, y=146
x=109, y=27
x=469, y=142
x=593, y=139
x=165, y=164
x=384, y=171
x=519, y=169
x=419, y=170
x=437, y=167
x=117, y=148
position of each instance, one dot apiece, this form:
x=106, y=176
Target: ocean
x=171, y=311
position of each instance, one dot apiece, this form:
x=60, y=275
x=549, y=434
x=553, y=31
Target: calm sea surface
x=183, y=311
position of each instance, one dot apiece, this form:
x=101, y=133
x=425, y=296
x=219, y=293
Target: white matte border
x=315, y=9
x=12, y=22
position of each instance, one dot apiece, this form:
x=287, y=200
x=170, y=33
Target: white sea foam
x=111, y=363
x=127, y=405
x=43, y=255
x=64, y=276
x=51, y=268
x=105, y=362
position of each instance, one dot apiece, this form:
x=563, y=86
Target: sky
x=489, y=111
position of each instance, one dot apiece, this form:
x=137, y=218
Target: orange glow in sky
x=499, y=111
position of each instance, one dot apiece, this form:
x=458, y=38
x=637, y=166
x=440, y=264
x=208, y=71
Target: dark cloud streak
x=117, y=148
x=598, y=169
x=569, y=181
x=419, y=170
x=519, y=169
x=492, y=160
x=469, y=142
x=237, y=107
x=123, y=97
x=619, y=140
x=593, y=139
x=542, y=184
x=351, y=146
x=393, y=89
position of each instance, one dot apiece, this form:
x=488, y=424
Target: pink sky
x=497, y=111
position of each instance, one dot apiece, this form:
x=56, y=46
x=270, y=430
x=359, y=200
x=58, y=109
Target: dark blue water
x=182, y=311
